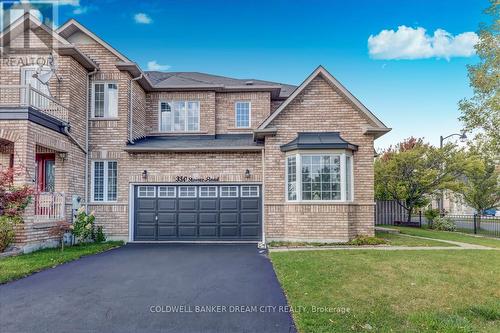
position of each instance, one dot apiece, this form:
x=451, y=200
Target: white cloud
x=415, y=43
x=81, y=10
x=142, y=18
x=154, y=66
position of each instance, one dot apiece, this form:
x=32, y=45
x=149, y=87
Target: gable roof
x=71, y=26
x=18, y=26
x=321, y=71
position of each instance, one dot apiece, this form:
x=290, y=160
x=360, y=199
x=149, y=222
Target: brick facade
x=319, y=107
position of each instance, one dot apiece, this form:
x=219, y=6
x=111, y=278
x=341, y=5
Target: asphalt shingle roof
x=186, y=79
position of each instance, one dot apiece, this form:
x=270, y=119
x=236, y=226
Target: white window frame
x=186, y=117
x=201, y=188
x=249, y=195
x=107, y=114
x=167, y=187
x=187, y=196
x=105, y=181
x=147, y=195
x=236, y=114
x=37, y=100
x=343, y=189
x=222, y=195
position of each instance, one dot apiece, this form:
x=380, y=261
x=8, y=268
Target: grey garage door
x=197, y=213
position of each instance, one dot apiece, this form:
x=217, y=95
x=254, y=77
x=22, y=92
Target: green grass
x=392, y=291
x=447, y=235
x=402, y=240
x=13, y=268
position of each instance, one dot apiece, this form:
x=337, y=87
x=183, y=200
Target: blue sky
x=285, y=40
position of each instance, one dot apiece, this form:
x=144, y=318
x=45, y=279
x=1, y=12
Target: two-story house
x=180, y=156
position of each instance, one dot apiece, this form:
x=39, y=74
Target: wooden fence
x=388, y=211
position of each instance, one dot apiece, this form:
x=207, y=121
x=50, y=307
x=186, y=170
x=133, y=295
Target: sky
x=404, y=59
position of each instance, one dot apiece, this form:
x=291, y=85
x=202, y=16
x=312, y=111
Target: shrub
x=6, y=232
x=367, y=240
x=431, y=213
x=444, y=224
x=83, y=225
x=99, y=235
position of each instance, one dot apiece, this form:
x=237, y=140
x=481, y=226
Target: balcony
x=22, y=98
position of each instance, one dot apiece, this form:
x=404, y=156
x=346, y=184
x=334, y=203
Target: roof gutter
x=131, y=108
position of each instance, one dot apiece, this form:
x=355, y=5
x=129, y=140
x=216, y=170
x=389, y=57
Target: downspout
x=87, y=119
x=131, y=110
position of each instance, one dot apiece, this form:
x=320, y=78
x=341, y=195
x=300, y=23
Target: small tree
x=480, y=185
x=59, y=230
x=412, y=171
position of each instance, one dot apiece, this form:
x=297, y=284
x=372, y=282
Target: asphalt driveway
x=151, y=288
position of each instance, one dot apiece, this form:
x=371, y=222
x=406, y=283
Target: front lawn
x=447, y=235
x=392, y=291
x=12, y=268
x=402, y=240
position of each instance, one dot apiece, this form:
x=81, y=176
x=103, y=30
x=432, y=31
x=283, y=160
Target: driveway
x=151, y=288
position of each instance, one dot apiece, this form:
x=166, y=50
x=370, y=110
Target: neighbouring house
x=179, y=156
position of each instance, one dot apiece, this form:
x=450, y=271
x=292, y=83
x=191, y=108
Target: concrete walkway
x=457, y=246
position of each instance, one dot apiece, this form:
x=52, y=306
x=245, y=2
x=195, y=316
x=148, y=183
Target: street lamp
x=462, y=137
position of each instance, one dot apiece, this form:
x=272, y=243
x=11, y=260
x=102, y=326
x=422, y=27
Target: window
x=104, y=100
x=27, y=78
x=208, y=191
x=146, y=192
x=187, y=192
x=319, y=177
x=249, y=191
x=166, y=191
x=105, y=174
x=292, y=177
x=179, y=116
x=229, y=191
x=242, y=113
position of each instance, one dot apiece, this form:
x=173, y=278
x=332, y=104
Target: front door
x=45, y=165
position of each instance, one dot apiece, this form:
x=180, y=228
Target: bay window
x=179, y=116
x=319, y=177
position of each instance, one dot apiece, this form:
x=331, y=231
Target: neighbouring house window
x=249, y=191
x=242, y=113
x=229, y=191
x=179, y=116
x=208, y=191
x=319, y=177
x=166, y=191
x=187, y=192
x=105, y=174
x=104, y=100
x=146, y=192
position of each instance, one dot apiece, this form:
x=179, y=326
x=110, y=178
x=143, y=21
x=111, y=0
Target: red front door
x=45, y=172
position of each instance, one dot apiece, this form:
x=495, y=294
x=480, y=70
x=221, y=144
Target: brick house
x=180, y=156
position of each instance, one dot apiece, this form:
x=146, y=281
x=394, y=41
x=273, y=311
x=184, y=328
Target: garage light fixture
x=145, y=174
x=247, y=173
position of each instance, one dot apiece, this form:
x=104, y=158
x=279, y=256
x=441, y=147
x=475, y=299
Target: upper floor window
x=179, y=116
x=319, y=177
x=242, y=114
x=104, y=99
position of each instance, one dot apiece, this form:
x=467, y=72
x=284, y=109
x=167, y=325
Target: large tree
x=481, y=112
x=412, y=171
x=480, y=185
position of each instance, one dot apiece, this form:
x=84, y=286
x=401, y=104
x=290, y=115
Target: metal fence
x=476, y=224
x=390, y=212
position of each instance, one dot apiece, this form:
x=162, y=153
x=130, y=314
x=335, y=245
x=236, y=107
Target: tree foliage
x=481, y=112
x=480, y=186
x=413, y=170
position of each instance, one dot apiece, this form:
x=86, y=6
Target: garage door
x=197, y=213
